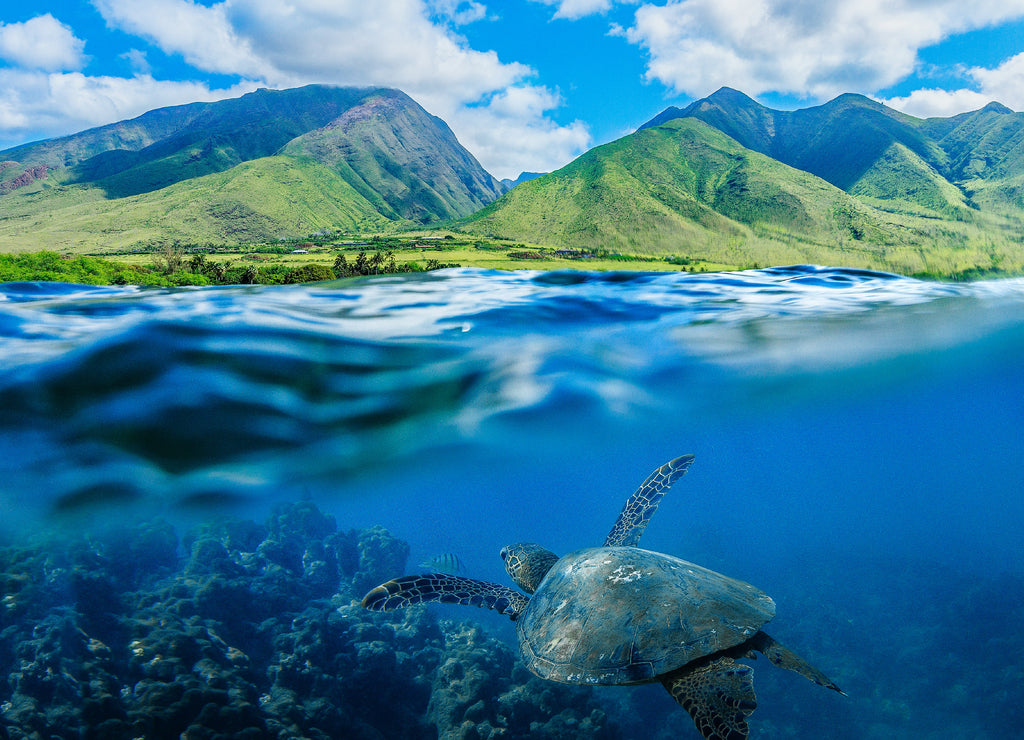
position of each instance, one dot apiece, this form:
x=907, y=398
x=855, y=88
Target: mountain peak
x=855, y=98
x=995, y=107
x=666, y=115
x=852, y=100
x=354, y=156
x=730, y=95
x=725, y=99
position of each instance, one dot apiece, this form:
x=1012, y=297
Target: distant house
x=300, y=251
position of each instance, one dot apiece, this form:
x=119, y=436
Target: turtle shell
x=621, y=615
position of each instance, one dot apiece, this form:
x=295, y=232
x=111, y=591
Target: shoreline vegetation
x=317, y=258
x=331, y=256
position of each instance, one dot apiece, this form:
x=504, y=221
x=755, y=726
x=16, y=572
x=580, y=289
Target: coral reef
x=246, y=630
x=253, y=630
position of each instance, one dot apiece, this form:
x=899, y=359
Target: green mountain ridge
x=351, y=158
x=861, y=146
x=681, y=186
x=413, y=183
x=852, y=182
x=841, y=141
x=725, y=181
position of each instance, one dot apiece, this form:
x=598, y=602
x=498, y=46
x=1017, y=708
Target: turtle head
x=527, y=564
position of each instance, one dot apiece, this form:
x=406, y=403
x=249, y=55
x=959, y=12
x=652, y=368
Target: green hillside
x=169, y=145
x=899, y=180
x=685, y=188
x=683, y=183
x=985, y=149
x=266, y=165
x=852, y=142
x=427, y=175
x=257, y=201
x=938, y=166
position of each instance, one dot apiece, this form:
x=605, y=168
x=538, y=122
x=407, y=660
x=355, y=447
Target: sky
x=526, y=85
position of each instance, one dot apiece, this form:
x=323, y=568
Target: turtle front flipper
x=783, y=657
x=448, y=589
x=718, y=694
x=638, y=509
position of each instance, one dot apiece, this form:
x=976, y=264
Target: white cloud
x=138, y=61
x=934, y=102
x=511, y=134
x=805, y=48
x=573, y=9
x=202, y=35
x=576, y=9
x=459, y=12
x=393, y=43
x=1003, y=84
x=43, y=43
x=33, y=101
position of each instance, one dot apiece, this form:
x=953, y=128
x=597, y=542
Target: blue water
x=858, y=441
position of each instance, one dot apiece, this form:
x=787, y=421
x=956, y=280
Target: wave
x=119, y=394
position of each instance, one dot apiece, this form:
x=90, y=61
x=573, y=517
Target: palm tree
x=341, y=268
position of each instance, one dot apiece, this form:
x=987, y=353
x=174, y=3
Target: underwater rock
x=211, y=556
x=381, y=556
x=247, y=630
x=482, y=690
x=251, y=631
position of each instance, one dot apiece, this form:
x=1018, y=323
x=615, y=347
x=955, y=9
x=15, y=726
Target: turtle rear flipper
x=642, y=504
x=783, y=657
x=448, y=589
x=718, y=694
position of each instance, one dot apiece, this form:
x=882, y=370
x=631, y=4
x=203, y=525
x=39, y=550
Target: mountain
x=729, y=181
x=400, y=158
x=723, y=182
x=677, y=186
x=270, y=163
x=523, y=177
x=852, y=142
x=985, y=153
x=936, y=165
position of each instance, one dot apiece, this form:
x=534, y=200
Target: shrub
x=310, y=273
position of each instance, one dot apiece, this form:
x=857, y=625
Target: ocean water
x=858, y=441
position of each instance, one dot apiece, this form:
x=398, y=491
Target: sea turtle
x=617, y=614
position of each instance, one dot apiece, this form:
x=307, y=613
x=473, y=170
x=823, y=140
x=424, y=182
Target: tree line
x=172, y=267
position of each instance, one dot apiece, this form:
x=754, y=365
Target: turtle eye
x=504, y=553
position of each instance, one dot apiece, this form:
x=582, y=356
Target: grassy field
x=953, y=255
x=309, y=261
x=252, y=202
x=407, y=248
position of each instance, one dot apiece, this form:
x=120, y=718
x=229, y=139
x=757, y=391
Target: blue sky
x=525, y=84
